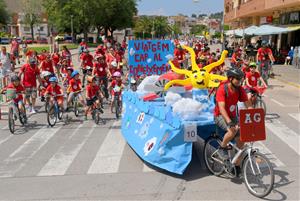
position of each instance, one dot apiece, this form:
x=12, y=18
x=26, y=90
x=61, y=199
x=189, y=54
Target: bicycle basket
x=11, y=94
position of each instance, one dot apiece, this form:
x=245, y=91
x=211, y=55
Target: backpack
x=214, y=91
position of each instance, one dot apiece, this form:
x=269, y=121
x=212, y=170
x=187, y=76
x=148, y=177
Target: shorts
x=90, y=102
x=16, y=53
x=30, y=92
x=18, y=102
x=221, y=123
x=71, y=95
x=4, y=72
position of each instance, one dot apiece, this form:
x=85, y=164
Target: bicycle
x=117, y=102
x=75, y=103
x=253, y=164
x=96, y=114
x=14, y=113
x=257, y=100
x=54, y=112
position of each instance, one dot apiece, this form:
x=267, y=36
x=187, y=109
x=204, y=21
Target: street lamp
x=72, y=31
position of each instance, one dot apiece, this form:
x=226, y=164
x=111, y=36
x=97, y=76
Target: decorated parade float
x=172, y=106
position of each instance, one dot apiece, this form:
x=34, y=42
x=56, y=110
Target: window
x=41, y=28
x=26, y=29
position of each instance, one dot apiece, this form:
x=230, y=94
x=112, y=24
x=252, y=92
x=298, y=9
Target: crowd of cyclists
x=53, y=77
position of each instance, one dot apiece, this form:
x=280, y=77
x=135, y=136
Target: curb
x=287, y=82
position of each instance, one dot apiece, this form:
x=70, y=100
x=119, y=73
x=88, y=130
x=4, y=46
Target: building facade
x=283, y=13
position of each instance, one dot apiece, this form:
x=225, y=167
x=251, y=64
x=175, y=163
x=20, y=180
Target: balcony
x=250, y=8
x=275, y=4
x=229, y=16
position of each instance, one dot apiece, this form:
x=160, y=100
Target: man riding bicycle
x=101, y=72
x=264, y=58
x=227, y=96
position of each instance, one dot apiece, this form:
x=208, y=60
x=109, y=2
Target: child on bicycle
x=55, y=91
x=75, y=88
x=18, y=100
x=116, y=87
x=93, y=93
x=252, y=78
x=45, y=76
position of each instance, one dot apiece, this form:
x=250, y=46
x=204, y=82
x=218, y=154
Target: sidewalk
x=288, y=74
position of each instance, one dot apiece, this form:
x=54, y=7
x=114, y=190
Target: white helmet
x=114, y=63
x=45, y=74
x=132, y=81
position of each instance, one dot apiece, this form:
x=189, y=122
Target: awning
x=270, y=30
x=293, y=28
x=235, y=32
x=251, y=30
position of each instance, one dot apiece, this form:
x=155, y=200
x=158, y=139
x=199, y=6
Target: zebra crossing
x=106, y=158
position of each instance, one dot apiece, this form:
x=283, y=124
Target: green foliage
x=226, y=27
x=194, y=15
x=217, y=35
x=198, y=29
x=158, y=26
x=3, y=13
x=218, y=15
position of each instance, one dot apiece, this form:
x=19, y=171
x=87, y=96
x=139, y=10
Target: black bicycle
x=54, y=113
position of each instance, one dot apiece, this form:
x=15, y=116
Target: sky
x=175, y=7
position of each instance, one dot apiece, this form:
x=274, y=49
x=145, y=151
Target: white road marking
x=109, y=154
x=63, y=158
x=11, y=165
x=286, y=134
x=5, y=139
x=279, y=103
x=273, y=159
x=295, y=116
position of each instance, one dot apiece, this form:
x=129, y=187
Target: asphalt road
x=81, y=160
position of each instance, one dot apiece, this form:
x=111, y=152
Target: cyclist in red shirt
x=45, y=76
x=264, y=58
x=116, y=87
x=93, y=93
x=18, y=101
x=47, y=65
x=252, y=78
x=75, y=88
x=30, y=73
x=86, y=60
x=236, y=58
x=66, y=54
x=101, y=72
x=227, y=96
x=179, y=54
x=55, y=91
x=56, y=64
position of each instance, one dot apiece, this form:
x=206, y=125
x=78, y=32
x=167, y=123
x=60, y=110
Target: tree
x=32, y=13
x=3, y=13
x=194, y=15
x=198, y=29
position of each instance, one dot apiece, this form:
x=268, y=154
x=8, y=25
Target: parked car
x=60, y=38
x=68, y=39
x=4, y=40
x=42, y=40
x=29, y=40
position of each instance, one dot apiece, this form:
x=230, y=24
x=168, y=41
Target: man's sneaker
x=223, y=153
x=33, y=111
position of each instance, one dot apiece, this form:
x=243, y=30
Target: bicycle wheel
x=11, y=120
x=259, y=180
x=46, y=106
x=60, y=113
x=96, y=116
x=76, y=111
x=52, y=116
x=261, y=104
x=117, y=108
x=212, y=161
x=22, y=116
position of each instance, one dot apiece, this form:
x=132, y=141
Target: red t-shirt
x=100, y=69
x=235, y=56
x=92, y=91
x=230, y=101
x=115, y=83
x=19, y=89
x=245, y=70
x=263, y=54
x=55, y=58
x=179, y=54
x=45, y=83
x=87, y=60
x=74, y=85
x=53, y=91
x=110, y=58
x=47, y=66
x=253, y=78
x=30, y=75
x=83, y=44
